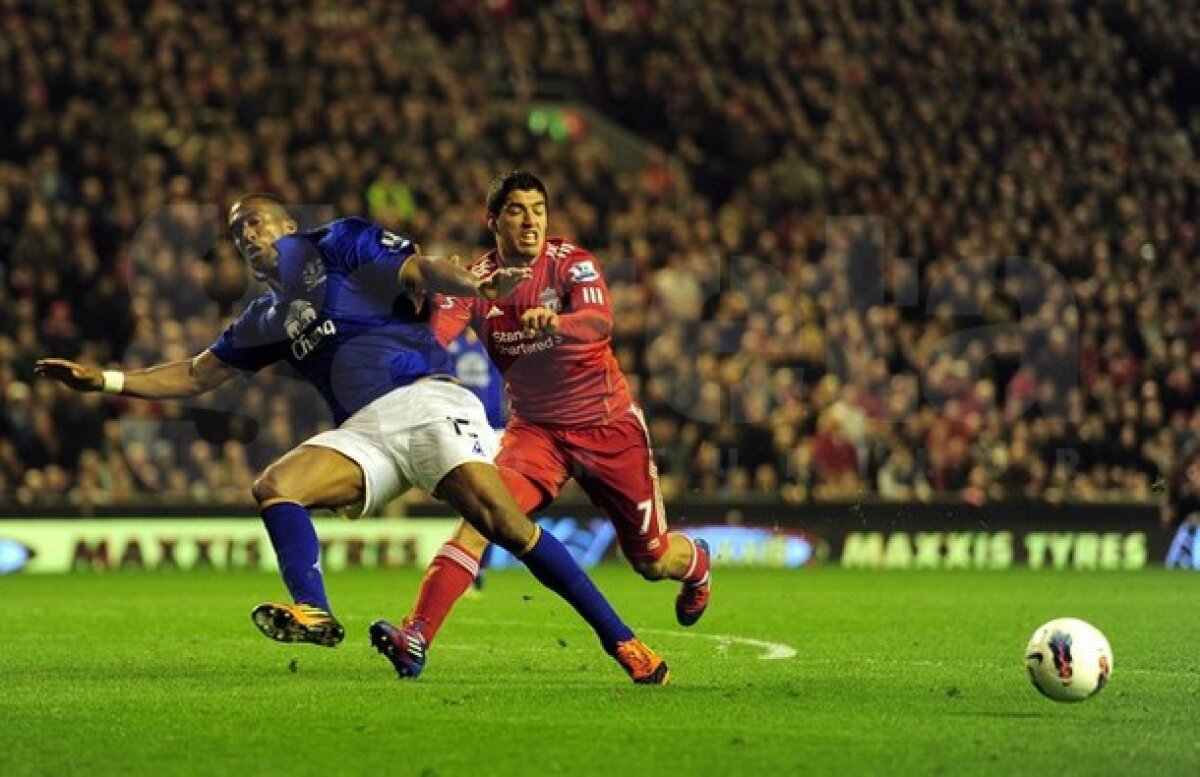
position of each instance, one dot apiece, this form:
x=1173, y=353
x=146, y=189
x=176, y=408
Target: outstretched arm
x=202, y=373
x=421, y=274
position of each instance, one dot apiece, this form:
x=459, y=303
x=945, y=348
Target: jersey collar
x=500, y=261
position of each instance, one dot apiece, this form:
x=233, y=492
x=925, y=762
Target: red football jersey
x=569, y=378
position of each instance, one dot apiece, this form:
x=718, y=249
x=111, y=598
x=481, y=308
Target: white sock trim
x=456, y=555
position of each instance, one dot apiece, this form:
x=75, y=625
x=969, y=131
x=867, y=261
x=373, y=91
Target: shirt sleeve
x=451, y=315
x=588, y=315
x=378, y=256
x=584, y=284
x=246, y=344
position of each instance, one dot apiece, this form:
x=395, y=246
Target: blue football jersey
x=476, y=371
x=340, y=317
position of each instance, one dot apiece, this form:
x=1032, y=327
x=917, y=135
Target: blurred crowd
x=876, y=248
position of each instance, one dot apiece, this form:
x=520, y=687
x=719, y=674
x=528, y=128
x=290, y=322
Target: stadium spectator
x=901, y=479
x=839, y=164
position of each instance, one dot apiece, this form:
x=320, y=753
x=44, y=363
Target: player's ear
x=491, y=224
x=290, y=227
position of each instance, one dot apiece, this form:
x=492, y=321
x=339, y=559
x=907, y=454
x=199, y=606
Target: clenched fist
x=536, y=321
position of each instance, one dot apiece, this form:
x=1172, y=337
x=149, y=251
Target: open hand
x=502, y=282
x=80, y=377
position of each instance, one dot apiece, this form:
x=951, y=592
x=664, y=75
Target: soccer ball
x=1068, y=659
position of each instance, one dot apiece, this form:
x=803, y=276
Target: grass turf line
x=896, y=673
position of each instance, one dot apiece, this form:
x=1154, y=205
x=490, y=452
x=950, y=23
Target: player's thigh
x=619, y=476
x=312, y=476
x=532, y=454
x=376, y=450
x=632, y=501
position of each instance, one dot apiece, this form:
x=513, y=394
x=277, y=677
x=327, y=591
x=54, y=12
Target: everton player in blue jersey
x=344, y=307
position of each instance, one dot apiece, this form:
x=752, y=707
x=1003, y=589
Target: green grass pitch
x=893, y=673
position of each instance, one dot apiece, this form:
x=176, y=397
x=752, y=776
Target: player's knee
x=649, y=568
x=268, y=486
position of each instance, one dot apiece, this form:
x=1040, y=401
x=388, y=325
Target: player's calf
x=650, y=568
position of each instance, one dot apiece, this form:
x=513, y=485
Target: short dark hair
x=276, y=203
x=509, y=182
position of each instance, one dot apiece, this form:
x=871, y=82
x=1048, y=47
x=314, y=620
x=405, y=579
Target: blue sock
x=294, y=538
x=552, y=565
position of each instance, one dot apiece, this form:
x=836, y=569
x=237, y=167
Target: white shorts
x=412, y=436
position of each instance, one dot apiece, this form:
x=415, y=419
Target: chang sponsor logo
x=305, y=344
x=298, y=326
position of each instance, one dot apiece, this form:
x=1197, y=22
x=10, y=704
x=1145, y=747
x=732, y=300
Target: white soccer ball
x=1068, y=659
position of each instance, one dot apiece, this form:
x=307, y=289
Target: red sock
x=447, y=578
x=697, y=571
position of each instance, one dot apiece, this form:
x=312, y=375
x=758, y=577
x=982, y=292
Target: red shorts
x=612, y=464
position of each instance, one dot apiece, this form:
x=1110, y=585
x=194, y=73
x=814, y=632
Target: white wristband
x=114, y=381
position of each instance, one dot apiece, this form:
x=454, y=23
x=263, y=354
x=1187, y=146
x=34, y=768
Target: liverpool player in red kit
x=572, y=414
